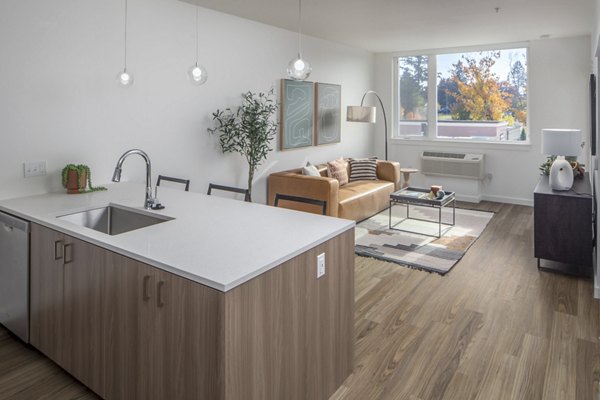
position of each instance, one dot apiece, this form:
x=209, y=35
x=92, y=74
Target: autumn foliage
x=481, y=95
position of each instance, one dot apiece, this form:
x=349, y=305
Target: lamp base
x=561, y=174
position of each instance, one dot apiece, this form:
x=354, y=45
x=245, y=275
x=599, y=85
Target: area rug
x=374, y=239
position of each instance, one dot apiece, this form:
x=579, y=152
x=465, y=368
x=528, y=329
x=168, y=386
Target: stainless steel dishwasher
x=14, y=275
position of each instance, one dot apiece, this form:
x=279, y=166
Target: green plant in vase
x=77, y=178
x=248, y=130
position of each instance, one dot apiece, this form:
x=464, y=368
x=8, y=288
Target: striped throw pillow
x=363, y=169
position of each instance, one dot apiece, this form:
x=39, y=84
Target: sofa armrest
x=389, y=171
x=312, y=187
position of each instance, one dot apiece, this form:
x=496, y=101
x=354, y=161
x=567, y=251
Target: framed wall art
x=328, y=113
x=296, y=114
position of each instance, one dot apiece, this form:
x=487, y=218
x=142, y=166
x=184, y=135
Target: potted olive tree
x=248, y=130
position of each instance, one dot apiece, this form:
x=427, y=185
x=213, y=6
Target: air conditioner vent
x=457, y=165
x=443, y=155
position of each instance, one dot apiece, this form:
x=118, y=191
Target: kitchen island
x=220, y=302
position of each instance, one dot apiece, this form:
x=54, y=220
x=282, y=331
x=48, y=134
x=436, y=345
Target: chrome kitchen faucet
x=150, y=202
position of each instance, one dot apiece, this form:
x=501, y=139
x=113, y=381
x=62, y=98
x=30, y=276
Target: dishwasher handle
x=11, y=223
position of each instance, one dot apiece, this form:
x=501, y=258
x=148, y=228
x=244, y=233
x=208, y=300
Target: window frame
x=432, y=121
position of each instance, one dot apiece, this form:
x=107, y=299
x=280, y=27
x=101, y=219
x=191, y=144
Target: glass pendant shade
x=125, y=78
x=197, y=74
x=298, y=69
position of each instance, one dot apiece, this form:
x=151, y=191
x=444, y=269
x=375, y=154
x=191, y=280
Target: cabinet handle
x=159, y=299
x=145, y=294
x=58, y=245
x=70, y=247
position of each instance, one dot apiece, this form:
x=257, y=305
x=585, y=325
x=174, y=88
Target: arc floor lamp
x=368, y=114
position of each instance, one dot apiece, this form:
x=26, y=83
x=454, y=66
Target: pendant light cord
x=125, y=47
x=196, y=35
x=299, y=28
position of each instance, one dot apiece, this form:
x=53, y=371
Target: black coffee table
x=419, y=197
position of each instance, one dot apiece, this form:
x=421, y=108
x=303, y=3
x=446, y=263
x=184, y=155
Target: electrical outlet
x=34, y=168
x=320, y=265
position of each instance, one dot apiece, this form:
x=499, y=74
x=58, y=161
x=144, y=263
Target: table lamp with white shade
x=561, y=143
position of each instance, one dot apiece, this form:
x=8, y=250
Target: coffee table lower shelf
x=397, y=198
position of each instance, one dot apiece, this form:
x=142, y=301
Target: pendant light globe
x=298, y=69
x=125, y=78
x=197, y=74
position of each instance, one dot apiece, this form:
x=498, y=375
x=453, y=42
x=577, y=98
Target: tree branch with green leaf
x=248, y=130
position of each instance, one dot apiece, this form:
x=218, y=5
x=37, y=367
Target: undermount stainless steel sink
x=114, y=220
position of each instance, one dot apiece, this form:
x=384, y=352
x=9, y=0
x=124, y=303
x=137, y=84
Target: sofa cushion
x=363, y=169
x=361, y=199
x=338, y=170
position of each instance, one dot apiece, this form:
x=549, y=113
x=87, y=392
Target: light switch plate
x=320, y=265
x=34, y=168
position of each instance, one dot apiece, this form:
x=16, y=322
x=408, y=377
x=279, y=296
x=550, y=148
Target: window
x=413, y=76
x=477, y=95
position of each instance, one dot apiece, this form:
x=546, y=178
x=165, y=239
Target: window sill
x=470, y=144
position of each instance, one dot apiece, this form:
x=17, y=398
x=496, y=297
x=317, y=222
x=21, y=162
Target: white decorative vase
x=561, y=174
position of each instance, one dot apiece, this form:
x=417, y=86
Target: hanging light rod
x=124, y=77
x=299, y=69
x=197, y=73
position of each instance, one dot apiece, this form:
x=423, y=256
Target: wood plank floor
x=493, y=328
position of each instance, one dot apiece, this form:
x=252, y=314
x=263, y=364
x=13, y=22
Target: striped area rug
x=374, y=239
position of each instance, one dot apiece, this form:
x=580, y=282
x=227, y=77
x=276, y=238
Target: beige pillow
x=337, y=170
x=310, y=170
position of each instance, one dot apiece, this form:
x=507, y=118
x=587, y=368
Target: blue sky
x=501, y=68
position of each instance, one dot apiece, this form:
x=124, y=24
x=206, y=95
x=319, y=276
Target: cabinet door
x=46, y=287
x=84, y=271
x=185, y=339
x=129, y=288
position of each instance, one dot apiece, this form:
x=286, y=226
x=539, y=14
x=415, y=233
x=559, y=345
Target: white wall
x=60, y=102
x=558, y=98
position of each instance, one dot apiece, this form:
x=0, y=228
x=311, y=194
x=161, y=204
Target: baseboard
x=596, y=281
x=510, y=200
x=468, y=198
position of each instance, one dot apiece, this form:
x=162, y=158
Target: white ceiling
x=400, y=25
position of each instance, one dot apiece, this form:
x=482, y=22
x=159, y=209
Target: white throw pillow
x=310, y=170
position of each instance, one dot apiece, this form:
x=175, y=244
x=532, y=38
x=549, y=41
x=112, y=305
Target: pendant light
x=299, y=69
x=197, y=73
x=125, y=77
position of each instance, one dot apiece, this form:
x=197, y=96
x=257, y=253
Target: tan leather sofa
x=356, y=200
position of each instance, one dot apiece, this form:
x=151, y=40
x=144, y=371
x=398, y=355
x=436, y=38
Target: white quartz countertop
x=212, y=240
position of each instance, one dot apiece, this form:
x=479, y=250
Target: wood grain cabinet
x=128, y=330
x=563, y=227
x=118, y=325
x=46, y=288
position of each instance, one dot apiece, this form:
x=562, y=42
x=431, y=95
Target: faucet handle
x=154, y=200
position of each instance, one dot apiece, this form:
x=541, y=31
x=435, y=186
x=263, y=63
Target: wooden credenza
x=563, y=227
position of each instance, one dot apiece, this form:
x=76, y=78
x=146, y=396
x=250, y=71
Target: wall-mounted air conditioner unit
x=456, y=165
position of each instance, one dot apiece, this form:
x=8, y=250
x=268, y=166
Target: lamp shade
x=561, y=142
x=361, y=114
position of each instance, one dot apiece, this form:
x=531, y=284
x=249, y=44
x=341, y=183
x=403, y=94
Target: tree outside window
x=480, y=95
